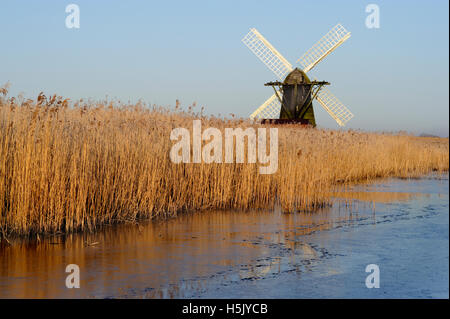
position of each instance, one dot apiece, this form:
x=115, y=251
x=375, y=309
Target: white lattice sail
x=269, y=109
x=334, y=107
x=327, y=44
x=267, y=53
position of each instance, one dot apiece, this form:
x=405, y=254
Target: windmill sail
x=267, y=53
x=268, y=110
x=334, y=107
x=327, y=44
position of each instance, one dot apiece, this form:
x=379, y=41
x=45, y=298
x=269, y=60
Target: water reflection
x=377, y=197
x=179, y=257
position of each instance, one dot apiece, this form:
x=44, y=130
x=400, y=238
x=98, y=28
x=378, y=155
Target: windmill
x=297, y=90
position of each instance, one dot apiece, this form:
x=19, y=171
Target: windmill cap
x=296, y=76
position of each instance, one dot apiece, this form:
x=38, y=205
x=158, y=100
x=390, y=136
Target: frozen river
x=400, y=225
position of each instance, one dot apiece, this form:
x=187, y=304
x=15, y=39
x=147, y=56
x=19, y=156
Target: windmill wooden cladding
x=65, y=169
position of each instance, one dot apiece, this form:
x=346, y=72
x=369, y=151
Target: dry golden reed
x=66, y=168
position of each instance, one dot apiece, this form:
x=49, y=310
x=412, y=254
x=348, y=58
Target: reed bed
x=70, y=167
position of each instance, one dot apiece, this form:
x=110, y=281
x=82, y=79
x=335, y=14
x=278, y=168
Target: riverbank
x=67, y=168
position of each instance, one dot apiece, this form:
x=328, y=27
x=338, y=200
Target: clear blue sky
x=393, y=78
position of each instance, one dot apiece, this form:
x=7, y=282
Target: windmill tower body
x=297, y=101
